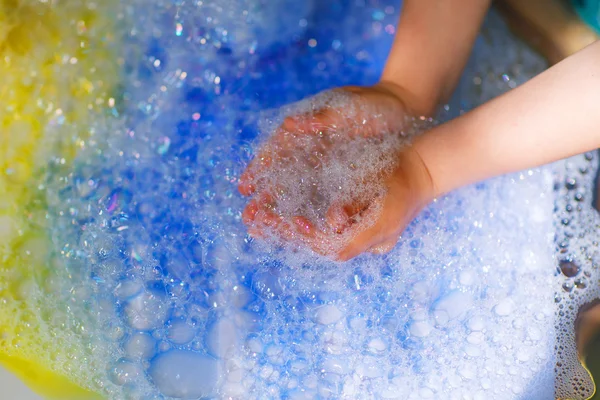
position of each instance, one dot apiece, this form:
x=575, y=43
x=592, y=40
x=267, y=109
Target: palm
x=297, y=197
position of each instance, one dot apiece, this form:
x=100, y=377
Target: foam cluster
x=576, y=224
x=59, y=68
x=151, y=287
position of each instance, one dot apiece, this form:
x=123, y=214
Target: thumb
x=322, y=121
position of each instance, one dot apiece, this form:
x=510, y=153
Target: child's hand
x=371, y=222
x=409, y=189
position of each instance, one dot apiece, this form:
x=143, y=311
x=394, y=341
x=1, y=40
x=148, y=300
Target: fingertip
x=286, y=231
x=267, y=200
x=249, y=213
x=246, y=189
x=269, y=219
x=337, y=218
x=291, y=124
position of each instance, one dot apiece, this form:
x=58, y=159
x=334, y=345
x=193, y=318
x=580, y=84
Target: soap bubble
x=185, y=374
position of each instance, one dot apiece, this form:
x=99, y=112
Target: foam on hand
x=338, y=152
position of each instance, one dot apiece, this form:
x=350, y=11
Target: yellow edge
x=45, y=382
x=582, y=362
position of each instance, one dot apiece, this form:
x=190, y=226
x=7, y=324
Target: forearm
x=431, y=47
x=553, y=116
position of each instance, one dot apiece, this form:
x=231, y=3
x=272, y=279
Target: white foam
x=328, y=314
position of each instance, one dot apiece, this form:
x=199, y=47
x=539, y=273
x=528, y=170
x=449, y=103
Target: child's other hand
x=367, y=112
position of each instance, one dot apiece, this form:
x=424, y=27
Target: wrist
x=415, y=103
x=446, y=156
x=412, y=171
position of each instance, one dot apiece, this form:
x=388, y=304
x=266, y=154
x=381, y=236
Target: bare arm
x=431, y=48
x=553, y=116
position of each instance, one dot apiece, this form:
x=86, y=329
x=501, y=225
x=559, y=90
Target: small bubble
x=580, y=283
x=124, y=372
x=568, y=268
x=571, y=184
x=567, y=287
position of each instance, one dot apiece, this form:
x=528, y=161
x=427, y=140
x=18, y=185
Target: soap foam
x=174, y=300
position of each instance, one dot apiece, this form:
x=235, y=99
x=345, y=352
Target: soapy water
x=175, y=300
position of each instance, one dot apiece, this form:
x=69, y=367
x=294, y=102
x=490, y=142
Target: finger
x=264, y=223
x=321, y=121
x=247, y=181
x=280, y=145
x=266, y=201
x=361, y=243
x=259, y=213
x=283, y=143
x=249, y=213
x=246, y=186
x=385, y=247
x=304, y=226
x=270, y=223
x=268, y=218
x=337, y=218
x=308, y=234
x=287, y=231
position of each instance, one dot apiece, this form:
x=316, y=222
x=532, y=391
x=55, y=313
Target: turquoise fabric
x=589, y=10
